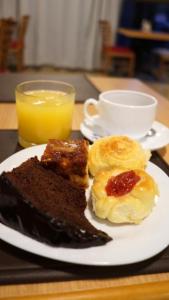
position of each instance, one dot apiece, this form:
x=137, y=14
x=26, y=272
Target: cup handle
x=89, y=119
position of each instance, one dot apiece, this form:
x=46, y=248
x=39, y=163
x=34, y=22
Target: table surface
x=140, y=34
x=156, y=285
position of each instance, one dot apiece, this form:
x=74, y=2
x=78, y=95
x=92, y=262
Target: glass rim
x=43, y=81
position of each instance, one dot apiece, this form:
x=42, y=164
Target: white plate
x=131, y=243
x=157, y=141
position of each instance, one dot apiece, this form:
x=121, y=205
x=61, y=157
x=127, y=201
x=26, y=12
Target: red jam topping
x=121, y=184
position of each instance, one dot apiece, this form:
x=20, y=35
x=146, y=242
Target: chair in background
x=6, y=30
x=163, y=62
x=109, y=53
x=18, y=45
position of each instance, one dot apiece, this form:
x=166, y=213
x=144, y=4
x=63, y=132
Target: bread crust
x=132, y=207
x=117, y=152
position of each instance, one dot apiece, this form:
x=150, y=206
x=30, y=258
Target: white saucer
x=157, y=141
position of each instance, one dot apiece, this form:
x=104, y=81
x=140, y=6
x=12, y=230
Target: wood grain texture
x=151, y=291
x=140, y=34
x=8, y=118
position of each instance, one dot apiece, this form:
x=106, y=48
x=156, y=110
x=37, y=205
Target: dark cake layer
x=47, y=207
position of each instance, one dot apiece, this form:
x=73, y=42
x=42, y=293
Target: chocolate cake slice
x=47, y=207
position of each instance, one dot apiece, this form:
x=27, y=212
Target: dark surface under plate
x=18, y=266
x=84, y=89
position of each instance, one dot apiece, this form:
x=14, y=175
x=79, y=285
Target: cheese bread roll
x=117, y=151
x=123, y=196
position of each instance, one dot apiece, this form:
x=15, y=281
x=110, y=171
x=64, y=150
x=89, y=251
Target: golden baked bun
x=117, y=151
x=114, y=198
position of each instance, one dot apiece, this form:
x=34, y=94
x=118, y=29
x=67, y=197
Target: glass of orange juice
x=44, y=111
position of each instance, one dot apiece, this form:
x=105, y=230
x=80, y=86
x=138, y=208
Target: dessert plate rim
x=131, y=243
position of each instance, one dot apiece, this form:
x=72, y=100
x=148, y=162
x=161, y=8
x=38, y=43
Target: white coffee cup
x=122, y=112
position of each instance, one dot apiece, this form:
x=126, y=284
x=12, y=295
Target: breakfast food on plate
x=69, y=159
x=117, y=152
x=46, y=199
x=123, y=196
x=44, y=205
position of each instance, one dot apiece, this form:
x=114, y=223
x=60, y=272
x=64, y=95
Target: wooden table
x=155, y=286
x=140, y=34
x=149, y=36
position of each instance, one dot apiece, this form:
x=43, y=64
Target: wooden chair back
x=18, y=44
x=114, y=54
x=22, y=28
x=6, y=31
x=106, y=32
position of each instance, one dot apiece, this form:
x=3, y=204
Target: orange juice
x=43, y=115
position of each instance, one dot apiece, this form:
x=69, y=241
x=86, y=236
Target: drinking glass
x=44, y=111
